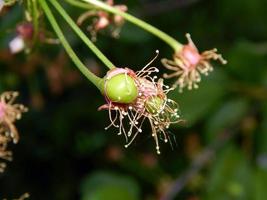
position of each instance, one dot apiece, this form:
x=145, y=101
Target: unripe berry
x=121, y=88
x=154, y=105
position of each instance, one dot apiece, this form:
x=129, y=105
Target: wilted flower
x=103, y=19
x=188, y=64
x=24, y=35
x=9, y=113
x=24, y=39
x=4, y=153
x=135, y=97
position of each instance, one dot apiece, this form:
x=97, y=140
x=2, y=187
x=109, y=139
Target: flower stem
x=35, y=16
x=98, y=82
x=160, y=34
x=80, y=4
x=83, y=37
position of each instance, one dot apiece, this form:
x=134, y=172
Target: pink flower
x=188, y=64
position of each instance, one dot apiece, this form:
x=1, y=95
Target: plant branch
x=89, y=75
x=80, y=4
x=155, y=31
x=83, y=37
x=35, y=16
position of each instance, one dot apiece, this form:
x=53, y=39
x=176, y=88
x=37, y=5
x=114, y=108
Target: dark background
x=65, y=153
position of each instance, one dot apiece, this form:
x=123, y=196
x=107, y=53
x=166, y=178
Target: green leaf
x=106, y=185
x=229, y=114
x=196, y=104
x=87, y=143
x=259, y=185
x=230, y=176
x=247, y=61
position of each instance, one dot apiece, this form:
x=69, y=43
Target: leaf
x=87, y=143
x=230, y=176
x=196, y=104
x=106, y=185
x=228, y=114
x=259, y=185
x=247, y=61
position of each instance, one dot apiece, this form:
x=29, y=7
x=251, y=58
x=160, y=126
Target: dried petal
x=9, y=113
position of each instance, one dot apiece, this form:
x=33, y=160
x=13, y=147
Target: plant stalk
x=98, y=82
x=83, y=37
x=155, y=31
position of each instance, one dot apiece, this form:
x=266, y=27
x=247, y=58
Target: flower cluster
x=188, y=64
x=102, y=20
x=135, y=97
x=9, y=113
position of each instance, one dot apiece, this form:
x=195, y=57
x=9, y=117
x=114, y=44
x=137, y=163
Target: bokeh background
x=219, y=153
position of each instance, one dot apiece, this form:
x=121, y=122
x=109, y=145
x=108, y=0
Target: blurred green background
x=219, y=154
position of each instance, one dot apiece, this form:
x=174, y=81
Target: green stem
x=98, y=82
x=80, y=4
x=160, y=34
x=35, y=16
x=28, y=10
x=83, y=37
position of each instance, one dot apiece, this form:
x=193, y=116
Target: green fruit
x=154, y=104
x=121, y=88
